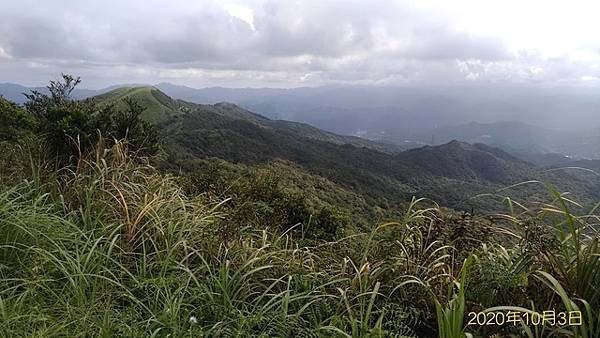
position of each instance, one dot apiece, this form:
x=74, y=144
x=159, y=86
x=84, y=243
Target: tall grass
x=111, y=247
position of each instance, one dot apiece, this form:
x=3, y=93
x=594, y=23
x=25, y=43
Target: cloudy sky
x=301, y=43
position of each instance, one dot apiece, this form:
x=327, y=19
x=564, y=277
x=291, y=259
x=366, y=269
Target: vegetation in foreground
x=94, y=241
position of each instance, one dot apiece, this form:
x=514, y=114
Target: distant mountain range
x=524, y=139
x=523, y=121
x=14, y=92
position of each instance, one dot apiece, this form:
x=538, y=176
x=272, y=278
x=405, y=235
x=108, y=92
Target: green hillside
x=159, y=107
x=456, y=174
x=453, y=173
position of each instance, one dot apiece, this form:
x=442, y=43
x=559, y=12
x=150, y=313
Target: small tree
x=72, y=127
x=127, y=124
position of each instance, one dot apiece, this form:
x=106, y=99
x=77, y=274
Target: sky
x=268, y=43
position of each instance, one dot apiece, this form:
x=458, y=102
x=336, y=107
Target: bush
x=15, y=123
x=72, y=128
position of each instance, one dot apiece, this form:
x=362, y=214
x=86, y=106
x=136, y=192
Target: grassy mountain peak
x=159, y=106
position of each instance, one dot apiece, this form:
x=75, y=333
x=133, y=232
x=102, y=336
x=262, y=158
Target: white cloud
x=267, y=42
x=4, y=54
x=241, y=12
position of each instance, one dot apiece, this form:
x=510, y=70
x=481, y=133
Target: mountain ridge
x=451, y=173
x=412, y=116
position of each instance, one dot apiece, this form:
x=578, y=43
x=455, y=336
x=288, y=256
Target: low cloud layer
x=265, y=43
